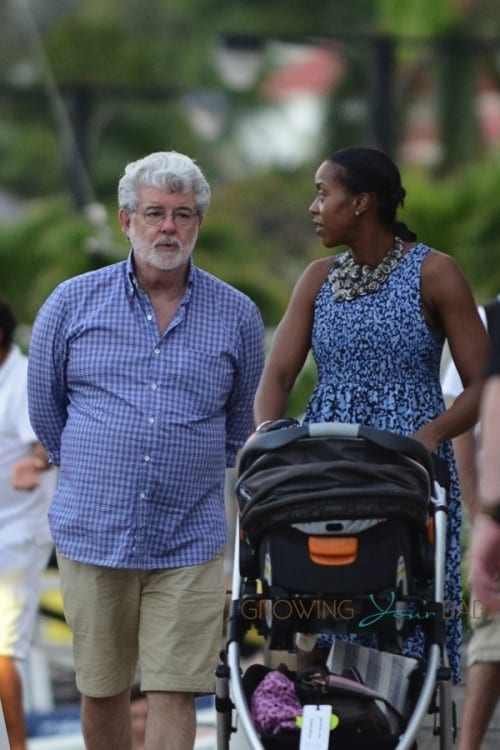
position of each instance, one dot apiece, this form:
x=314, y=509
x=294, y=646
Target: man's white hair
x=166, y=170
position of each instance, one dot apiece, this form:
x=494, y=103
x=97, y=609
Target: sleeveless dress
x=378, y=364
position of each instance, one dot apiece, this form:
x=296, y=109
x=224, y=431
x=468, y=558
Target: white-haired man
x=141, y=381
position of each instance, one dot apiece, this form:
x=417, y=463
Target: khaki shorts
x=169, y=622
x=484, y=643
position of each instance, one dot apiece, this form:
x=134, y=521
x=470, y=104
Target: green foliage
x=30, y=157
x=417, y=16
x=456, y=214
x=140, y=130
x=476, y=236
x=45, y=248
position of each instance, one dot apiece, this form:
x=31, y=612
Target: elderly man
x=141, y=381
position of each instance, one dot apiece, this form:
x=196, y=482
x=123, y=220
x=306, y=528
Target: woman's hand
x=426, y=436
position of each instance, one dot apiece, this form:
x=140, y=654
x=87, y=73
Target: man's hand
x=484, y=571
x=26, y=472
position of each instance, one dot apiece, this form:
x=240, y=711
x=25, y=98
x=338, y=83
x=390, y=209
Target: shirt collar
x=133, y=284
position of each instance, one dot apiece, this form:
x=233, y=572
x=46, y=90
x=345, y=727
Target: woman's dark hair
x=369, y=170
x=8, y=323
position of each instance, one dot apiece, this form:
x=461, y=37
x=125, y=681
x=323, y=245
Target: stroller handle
x=275, y=439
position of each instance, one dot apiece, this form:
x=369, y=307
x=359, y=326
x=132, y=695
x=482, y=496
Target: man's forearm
x=465, y=447
x=489, y=484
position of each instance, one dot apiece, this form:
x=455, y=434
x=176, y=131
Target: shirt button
x=142, y=496
x=149, y=317
x=157, y=351
x=151, y=420
x=147, y=458
x=154, y=386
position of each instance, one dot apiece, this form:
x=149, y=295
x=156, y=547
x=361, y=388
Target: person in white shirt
x=25, y=543
x=483, y=652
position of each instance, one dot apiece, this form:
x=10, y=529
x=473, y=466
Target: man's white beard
x=166, y=260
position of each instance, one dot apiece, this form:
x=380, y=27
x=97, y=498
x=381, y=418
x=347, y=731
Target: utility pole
x=80, y=99
x=382, y=109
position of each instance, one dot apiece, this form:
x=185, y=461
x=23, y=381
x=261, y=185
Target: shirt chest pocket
x=198, y=384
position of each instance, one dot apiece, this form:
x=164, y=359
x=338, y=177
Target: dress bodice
x=377, y=359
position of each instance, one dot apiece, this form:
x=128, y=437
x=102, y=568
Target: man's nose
x=169, y=220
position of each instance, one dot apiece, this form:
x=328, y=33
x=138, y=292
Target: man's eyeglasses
x=182, y=217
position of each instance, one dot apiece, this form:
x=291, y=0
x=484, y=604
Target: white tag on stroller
x=315, y=730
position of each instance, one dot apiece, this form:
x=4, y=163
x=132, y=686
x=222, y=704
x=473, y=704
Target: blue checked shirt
x=142, y=425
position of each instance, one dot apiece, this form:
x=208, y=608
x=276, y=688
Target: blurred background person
x=485, y=545
x=25, y=544
x=483, y=649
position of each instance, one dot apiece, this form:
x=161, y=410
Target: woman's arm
x=290, y=345
x=449, y=306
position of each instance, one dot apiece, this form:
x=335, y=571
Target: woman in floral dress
x=376, y=317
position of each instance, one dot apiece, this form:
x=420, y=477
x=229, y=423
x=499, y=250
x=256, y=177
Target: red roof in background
x=317, y=72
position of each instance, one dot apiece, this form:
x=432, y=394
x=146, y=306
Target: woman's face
x=334, y=209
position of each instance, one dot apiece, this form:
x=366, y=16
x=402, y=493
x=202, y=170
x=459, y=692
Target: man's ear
x=124, y=218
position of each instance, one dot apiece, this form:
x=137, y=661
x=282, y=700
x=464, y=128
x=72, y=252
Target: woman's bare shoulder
x=317, y=271
x=446, y=293
x=436, y=259
x=441, y=268
x=311, y=281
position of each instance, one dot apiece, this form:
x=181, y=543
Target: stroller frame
x=435, y=691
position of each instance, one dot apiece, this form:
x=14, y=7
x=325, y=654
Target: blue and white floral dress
x=378, y=364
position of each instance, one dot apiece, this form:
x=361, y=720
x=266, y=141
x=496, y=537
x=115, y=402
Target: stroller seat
x=338, y=522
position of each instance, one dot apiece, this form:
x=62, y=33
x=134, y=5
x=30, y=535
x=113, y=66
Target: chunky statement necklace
x=350, y=279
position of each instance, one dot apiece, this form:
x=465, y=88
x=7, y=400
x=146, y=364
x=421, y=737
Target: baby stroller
x=332, y=513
